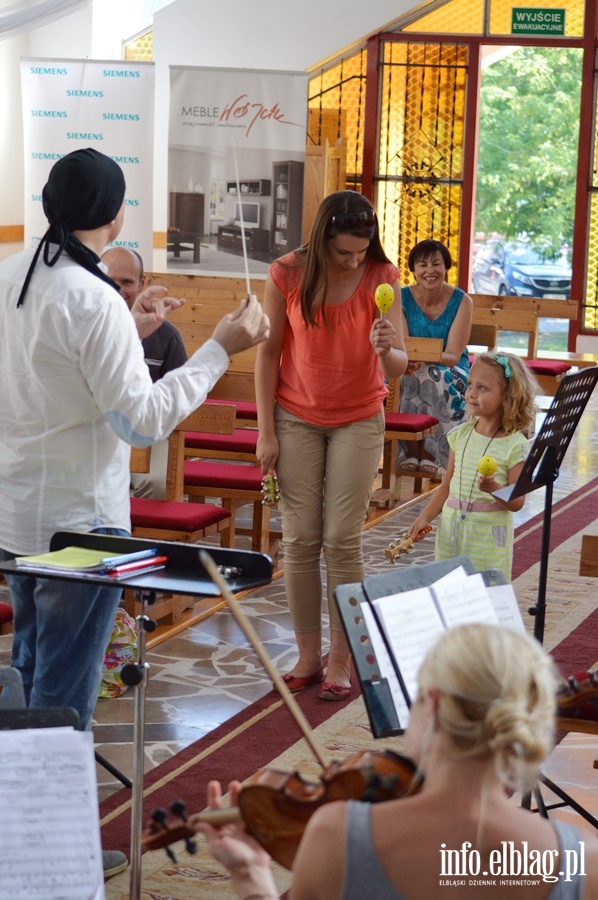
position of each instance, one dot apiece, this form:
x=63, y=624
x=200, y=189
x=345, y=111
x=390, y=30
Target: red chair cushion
x=246, y=409
x=244, y=440
x=408, y=421
x=178, y=516
x=227, y=475
x=546, y=367
x=5, y=613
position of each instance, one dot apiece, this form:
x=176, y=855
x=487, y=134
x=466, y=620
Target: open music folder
x=395, y=628
x=49, y=830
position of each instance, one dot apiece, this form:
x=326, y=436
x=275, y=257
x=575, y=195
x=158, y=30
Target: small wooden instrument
x=577, y=697
x=270, y=492
x=402, y=545
x=275, y=806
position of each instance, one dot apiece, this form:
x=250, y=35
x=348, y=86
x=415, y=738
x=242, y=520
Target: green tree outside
x=527, y=150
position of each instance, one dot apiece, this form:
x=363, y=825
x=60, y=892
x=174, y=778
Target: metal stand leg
x=136, y=674
x=113, y=770
x=567, y=800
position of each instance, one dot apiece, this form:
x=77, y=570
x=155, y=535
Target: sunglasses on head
x=354, y=220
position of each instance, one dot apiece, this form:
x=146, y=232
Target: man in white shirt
x=76, y=393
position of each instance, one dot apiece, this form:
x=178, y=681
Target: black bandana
x=85, y=190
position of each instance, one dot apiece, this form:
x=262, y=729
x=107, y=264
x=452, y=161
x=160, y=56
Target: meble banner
x=236, y=160
x=71, y=104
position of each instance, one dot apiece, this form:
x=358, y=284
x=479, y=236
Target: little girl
x=500, y=400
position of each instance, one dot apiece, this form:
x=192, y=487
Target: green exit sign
x=537, y=21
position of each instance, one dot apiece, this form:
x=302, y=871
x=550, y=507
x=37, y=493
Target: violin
x=403, y=545
x=276, y=806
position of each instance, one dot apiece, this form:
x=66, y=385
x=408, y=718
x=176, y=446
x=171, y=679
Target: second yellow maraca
x=487, y=465
x=384, y=297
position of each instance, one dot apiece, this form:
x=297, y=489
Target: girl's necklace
x=469, y=504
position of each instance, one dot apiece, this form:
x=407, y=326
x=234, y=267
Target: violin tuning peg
x=179, y=809
x=191, y=845
x=160, y=817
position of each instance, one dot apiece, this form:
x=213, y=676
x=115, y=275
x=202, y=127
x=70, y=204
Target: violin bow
x=253, y=638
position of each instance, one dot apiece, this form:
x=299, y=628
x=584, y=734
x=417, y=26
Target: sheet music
x=463, y=599
x=385, y=666
x=504, y=601
x=413, y=620
x=49, y=828
x=412, y=623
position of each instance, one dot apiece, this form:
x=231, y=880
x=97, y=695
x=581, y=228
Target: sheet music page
x=504, y=601
x=49, y=828
x=385, y=666
x=463, y=599
x=412, y=623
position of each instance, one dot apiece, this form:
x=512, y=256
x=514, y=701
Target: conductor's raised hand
x=151, y=308
x=245, y=327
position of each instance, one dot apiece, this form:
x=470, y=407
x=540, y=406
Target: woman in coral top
x=320, y=390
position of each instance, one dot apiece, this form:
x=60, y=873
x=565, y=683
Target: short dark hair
x=427, y=248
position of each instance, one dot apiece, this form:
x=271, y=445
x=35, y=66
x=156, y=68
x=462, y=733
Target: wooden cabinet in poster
x=287, y=206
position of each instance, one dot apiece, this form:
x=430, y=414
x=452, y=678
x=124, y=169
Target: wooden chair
x=225, y=465
x=483, y=336
x=173, y=519
x=404, y=426
x=235, y=484
x=523, y=315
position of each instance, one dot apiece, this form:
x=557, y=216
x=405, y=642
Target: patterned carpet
x=250, y=740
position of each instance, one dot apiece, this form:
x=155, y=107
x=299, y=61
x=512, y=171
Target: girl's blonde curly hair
x=520, y=390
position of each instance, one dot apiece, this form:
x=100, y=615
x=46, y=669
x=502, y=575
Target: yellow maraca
x=487, y=465
x=384, y=297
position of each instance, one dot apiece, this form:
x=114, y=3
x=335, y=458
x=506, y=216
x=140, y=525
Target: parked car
x=516, y=269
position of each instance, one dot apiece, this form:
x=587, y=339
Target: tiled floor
x=205, y=674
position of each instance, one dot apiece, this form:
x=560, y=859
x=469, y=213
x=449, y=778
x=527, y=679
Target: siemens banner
x=71, y=104
x=236, y=160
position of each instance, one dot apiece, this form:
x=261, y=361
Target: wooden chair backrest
x=234, y=386
x=208, y=298
x=483, y=336
x=216, y=418
x=521, y=314
x=140, y=459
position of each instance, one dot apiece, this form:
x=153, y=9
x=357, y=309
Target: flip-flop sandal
x=429, y=468
x=411, y=464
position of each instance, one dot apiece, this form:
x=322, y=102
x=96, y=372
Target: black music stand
x=379, y=704
x=184, y=574
x=541, y=468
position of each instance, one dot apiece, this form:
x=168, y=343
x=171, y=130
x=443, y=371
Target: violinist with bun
x=481, y=725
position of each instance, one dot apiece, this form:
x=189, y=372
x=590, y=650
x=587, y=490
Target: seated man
x=164, y=350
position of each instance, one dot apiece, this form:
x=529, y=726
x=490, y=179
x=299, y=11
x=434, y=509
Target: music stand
x=377, y=696
x=541, y=468
x=184, y=574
